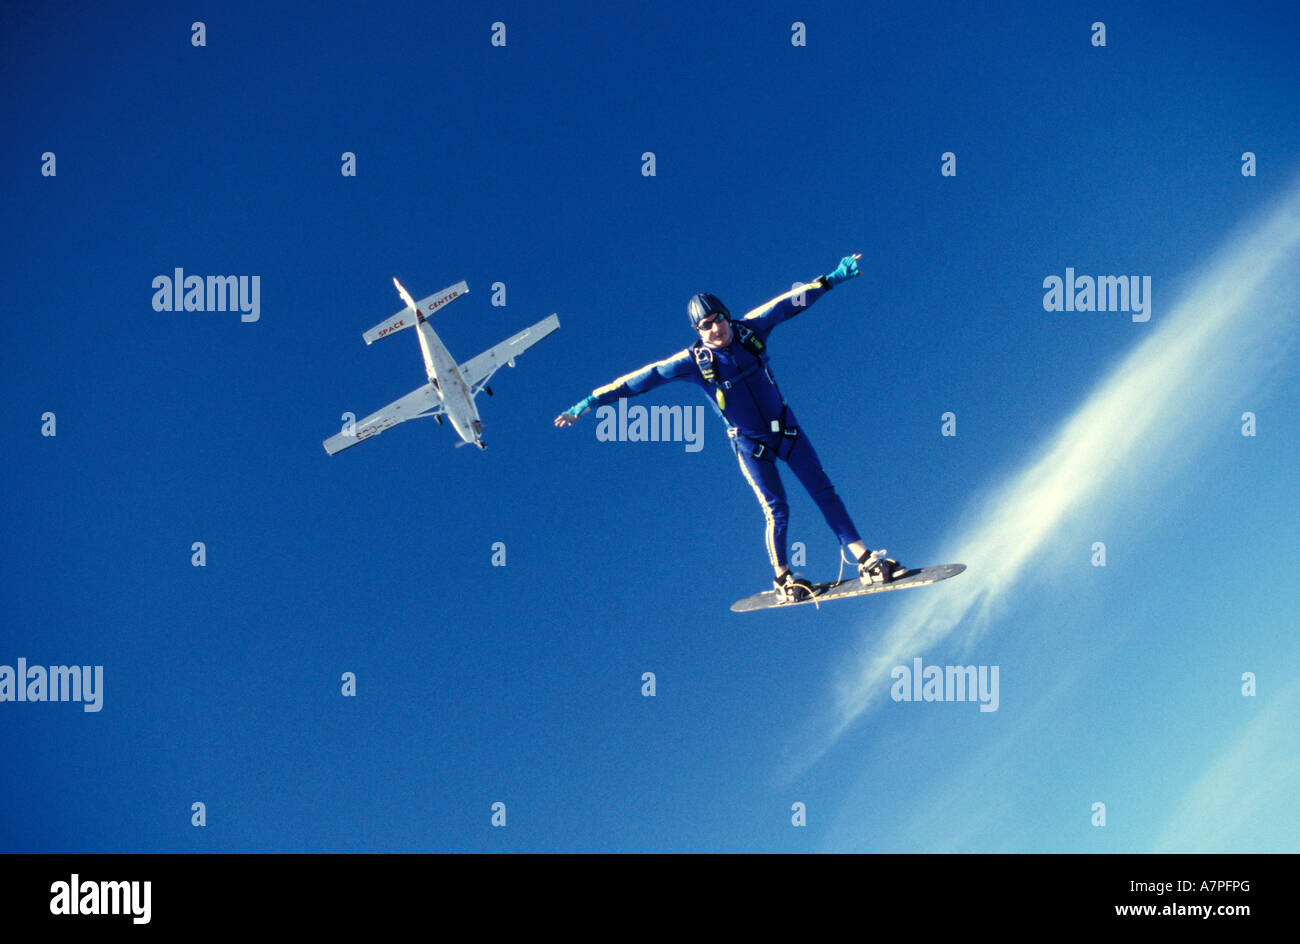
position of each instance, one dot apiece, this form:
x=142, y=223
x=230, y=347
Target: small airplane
x=451, y=388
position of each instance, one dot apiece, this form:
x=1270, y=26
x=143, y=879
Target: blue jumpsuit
x=749, y=402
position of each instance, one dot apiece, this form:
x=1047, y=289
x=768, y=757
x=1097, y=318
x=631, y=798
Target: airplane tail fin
x=411, y=314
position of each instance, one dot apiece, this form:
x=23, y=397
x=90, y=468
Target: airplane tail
x=414, y=310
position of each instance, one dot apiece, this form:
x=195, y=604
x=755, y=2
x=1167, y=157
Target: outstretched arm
x=648, y=377
x=784, y=307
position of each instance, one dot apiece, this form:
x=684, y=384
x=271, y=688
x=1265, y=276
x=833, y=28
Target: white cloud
x=1142, y=423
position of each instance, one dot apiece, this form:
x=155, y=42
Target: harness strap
x=728, y=384
x=708, y=368
x=761, y=450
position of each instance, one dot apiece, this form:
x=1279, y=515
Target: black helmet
x=704, y=305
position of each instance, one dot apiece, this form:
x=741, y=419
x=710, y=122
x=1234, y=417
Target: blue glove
x=581, y=406
x=848, y=269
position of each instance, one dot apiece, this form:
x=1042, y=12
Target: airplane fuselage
x=445, y=376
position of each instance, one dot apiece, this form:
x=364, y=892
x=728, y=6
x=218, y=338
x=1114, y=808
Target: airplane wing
x=421, y=402
x=478, y=369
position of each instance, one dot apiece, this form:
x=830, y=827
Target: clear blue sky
x=522, y=684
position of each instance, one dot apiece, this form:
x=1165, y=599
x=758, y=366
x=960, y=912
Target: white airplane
x=451, y=389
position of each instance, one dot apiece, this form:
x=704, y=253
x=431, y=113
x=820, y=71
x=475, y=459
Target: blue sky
x=521, y=684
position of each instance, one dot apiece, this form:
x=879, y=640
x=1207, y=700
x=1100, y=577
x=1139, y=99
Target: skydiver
x=730, y=362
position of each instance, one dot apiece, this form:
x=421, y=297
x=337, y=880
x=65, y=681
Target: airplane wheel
x=482, y=444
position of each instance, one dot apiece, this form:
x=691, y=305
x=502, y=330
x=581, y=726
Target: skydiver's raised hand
x=566, y=419
x=847, y=269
